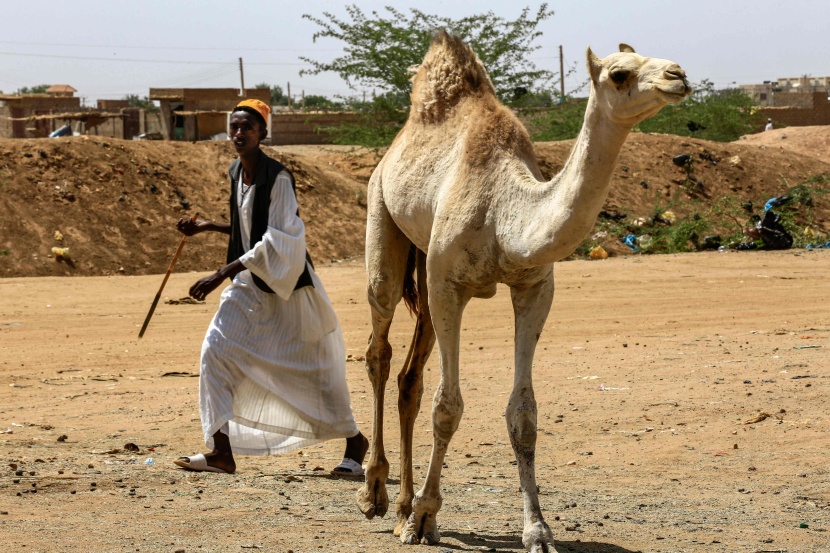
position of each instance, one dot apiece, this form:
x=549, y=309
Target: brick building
x=199, y=113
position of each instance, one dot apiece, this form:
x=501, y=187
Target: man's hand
x=208, y=284
x=189, y=227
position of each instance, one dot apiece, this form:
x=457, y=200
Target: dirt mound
x=810, y=141
x=114, y=203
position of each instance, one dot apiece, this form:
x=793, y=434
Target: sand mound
x=114, y=203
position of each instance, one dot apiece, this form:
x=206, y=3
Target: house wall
x=300, y=128
x=812, y=109
x=33, y=104
x=202, y=126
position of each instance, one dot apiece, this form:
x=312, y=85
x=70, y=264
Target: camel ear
x=626, y=48
x=594, y=65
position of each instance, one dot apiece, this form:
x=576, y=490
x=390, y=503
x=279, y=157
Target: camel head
x=630, y=88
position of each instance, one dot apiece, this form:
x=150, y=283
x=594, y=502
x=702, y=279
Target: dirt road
x=648, y=378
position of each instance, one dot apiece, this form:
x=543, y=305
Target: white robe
x=273, y=366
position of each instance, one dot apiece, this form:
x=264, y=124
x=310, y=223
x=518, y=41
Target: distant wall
x=26, y=105
x=811, y=109
x=299, y=128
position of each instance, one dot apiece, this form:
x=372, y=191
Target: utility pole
x=289, y=95
x=241, y=78
x=561, y=75
x=303, y=105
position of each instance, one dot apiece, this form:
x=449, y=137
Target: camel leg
x=410, y=391
x=531, y=307
x=447, y=303
x=387, y=249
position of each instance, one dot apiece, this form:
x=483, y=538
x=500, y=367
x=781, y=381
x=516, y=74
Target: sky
x=112, y=48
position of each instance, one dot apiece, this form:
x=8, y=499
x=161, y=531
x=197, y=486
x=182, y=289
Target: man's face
x=245, y=132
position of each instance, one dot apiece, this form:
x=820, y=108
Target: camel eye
x=620, y=77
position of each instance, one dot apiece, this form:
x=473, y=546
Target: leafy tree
x=37, y=89
x=381, y=48
x=278, y=97
x=315, y=101
x=137, y=101
x=380, y=51
x=719, y=115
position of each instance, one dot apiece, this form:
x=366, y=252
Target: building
x=200, y=113
x=34, y=115
x=787, y=91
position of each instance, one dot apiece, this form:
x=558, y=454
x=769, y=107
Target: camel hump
x=450, y=71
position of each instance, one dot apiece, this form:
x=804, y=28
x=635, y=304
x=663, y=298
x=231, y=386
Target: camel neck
x=566, y=207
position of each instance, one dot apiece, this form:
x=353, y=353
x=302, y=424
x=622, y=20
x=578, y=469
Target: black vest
x=267, y=170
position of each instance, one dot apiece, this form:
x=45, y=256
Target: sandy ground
x=648, y=376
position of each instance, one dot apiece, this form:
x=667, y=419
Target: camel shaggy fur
x=459, y=201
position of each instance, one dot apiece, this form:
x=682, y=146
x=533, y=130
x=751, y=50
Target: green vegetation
x=718, y=115
x=145, y=103
x=726, y=217
x=380, y=51
x=379, y=121
x=381, y=47
x=709, y=114
x=37, y=89
x=561, y=122
x=278, y=97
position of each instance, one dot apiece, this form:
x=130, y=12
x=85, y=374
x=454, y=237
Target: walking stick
x=163, y=282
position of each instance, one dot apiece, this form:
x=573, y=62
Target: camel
x=457, y=205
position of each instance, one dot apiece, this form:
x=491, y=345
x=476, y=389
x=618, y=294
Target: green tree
x=719, y=115
x=379, y=51
x=316, y=101
x=278, y=97
x=137, y=101
x=37, y=89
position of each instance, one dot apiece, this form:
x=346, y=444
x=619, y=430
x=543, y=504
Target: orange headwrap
x=258, y=106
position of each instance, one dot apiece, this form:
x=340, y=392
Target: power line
x=87, y=58
x=198, y=48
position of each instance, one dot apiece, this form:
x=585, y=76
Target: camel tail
x=410, y=287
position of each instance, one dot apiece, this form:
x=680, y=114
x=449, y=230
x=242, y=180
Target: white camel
x=460, y=197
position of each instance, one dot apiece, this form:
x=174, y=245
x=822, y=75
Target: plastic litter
x=149, y=461
x=66, y=130
x=778, y=201
x=631, y=242
x=598, y=253
x=682, y=160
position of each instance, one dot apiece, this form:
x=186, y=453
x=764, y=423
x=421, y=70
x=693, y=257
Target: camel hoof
x=399, y=526
x=372, y=502
x=538, y=538
x=425, y=533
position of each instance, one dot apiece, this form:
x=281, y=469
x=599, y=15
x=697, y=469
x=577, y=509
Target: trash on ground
x=598, y=253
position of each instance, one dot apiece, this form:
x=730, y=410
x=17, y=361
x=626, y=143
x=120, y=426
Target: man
x=769, y=124
x=273, y=369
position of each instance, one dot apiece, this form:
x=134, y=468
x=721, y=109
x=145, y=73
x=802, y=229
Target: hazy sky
x=111, y=48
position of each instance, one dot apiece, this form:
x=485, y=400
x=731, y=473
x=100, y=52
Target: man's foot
x=218, y=460
x=206, y=463
x=356, y=448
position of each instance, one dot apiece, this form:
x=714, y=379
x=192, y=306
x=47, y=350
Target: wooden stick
x=163, y=282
